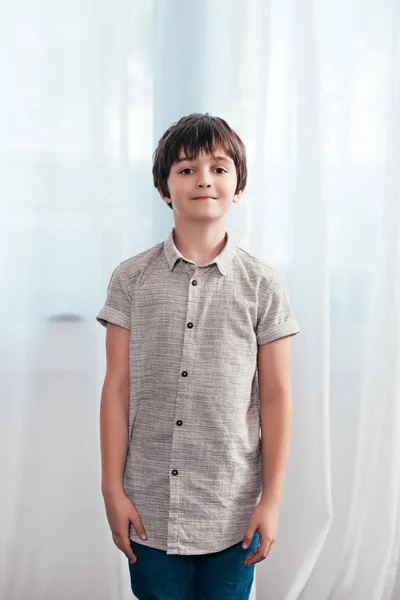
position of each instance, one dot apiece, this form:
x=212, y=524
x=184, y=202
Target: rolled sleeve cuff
x=282, y=330
x=111, y=315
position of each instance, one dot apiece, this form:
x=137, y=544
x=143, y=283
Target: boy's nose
x=203, y=178
x=204, y=181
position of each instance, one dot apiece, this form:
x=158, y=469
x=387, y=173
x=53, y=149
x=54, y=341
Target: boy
x=198, y=360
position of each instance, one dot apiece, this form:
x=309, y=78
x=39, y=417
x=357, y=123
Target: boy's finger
x=131, y=557
x=256, y=556
x=127, y=550
x=123, y=544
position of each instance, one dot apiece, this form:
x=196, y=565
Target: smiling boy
x=198, y=365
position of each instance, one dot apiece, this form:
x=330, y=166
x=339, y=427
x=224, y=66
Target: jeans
x=222, y=575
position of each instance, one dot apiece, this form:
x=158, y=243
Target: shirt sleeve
x=275, y=318
x=117, y=307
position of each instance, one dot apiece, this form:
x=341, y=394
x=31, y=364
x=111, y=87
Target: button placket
x=189, y=325
x=179, y=440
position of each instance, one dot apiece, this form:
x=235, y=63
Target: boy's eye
x=217, y=169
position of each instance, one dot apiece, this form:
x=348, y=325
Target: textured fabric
x=193, y=467
x=217, y=576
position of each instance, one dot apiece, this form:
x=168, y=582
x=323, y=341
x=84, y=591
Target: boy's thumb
x=248, y=536
x=138, y=525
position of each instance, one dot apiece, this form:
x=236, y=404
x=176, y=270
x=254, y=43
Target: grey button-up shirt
x=193, y=467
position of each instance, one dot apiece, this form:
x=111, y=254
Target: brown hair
x=194, y=133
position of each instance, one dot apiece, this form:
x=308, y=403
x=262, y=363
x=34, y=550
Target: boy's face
x=207, y=177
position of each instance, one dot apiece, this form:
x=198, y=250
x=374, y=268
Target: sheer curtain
x=313, y=89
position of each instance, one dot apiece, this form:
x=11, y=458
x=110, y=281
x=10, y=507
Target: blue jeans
x=222, y=575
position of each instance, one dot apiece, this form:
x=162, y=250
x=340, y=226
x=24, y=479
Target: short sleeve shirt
x=193, y=466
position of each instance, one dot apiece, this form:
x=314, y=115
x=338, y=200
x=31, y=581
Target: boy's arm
x=114, y=410
x=274, y=366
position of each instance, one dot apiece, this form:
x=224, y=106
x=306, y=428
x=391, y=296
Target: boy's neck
x=198, y=242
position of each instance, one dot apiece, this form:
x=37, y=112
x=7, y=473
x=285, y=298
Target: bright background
x=313, y=89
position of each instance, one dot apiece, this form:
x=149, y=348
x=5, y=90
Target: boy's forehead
x=219, y=154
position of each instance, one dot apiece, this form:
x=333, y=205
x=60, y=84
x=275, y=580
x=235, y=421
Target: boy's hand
x=120, y=513
x=263, y=519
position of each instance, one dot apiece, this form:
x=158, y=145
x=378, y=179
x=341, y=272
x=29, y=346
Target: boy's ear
x=164, y=198
x=237, y=196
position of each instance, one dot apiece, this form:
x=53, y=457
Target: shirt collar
x=223, y=260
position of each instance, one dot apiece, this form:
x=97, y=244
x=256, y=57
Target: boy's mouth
x=204, y=198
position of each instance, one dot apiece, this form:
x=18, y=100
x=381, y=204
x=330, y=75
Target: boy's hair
x=194, y=133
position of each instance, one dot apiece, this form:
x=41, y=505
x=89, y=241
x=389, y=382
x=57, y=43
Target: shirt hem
x=160, y=546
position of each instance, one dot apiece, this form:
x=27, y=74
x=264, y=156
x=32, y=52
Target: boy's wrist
x=112, y=490
x=270, y=501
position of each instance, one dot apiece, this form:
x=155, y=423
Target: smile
x=204, y=198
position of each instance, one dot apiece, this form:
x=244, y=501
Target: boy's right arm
x=114, y=410
x=114, y=425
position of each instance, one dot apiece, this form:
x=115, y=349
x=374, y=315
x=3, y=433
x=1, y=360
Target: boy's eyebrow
x=224, y=158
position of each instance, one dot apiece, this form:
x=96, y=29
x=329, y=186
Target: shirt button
x=174, y=472
x=179, y=422
x=190, y=325
x=184, y=373
x=194, y=282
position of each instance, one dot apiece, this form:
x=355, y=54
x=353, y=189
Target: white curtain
x=313, y=89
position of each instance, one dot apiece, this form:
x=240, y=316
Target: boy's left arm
x=274, y=377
